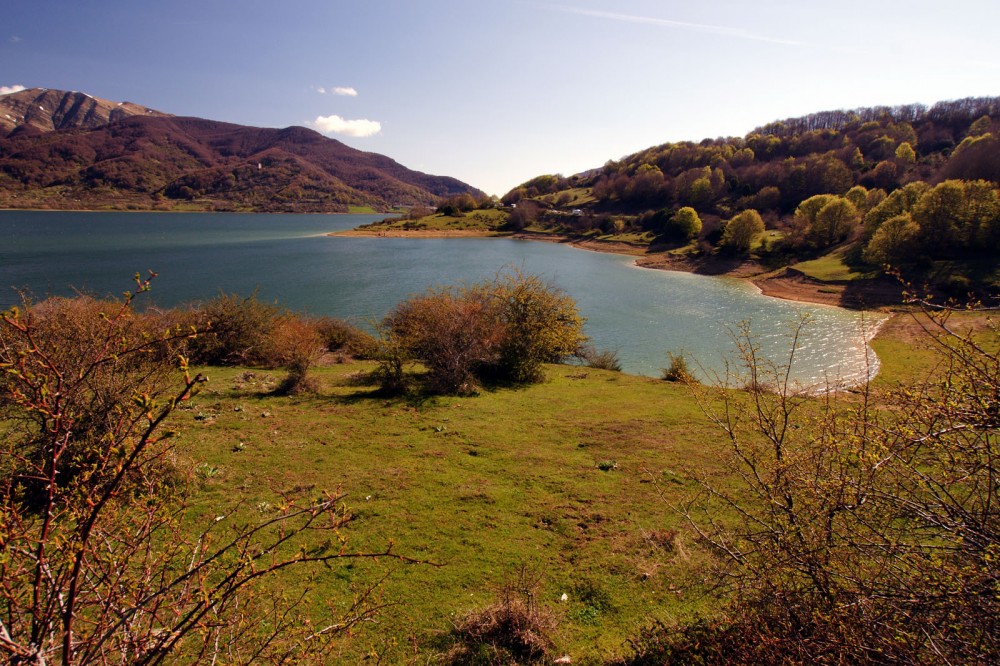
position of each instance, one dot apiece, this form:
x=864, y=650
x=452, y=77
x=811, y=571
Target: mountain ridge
x=72, y=150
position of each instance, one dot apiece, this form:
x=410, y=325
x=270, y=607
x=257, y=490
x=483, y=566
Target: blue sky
x=497, y=92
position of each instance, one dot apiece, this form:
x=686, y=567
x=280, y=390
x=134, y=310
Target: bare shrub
x=500, y=330
x=99, y=562
x=298, y=346
x=604, y=359
x=453, y=331
x=678, y=370
x=512, y=630
x=859, y=528
x=237, y=331
x=340, y=336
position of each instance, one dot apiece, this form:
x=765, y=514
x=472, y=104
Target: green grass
x=360, y=209
x=832, y=267
x=573, y=197
x=486, y=221
x=573, y=478
x=481, y=485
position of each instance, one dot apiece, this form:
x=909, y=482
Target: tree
x=834, y=223
x=98, y=560
x=684, y=224
x=899, y=202
x=905, y=153
x=741, y=231
x=893, y=243
x=957, y=216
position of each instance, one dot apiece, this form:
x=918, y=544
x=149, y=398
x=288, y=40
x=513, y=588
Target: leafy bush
x=741, y=231
x=540, y=325
x=501, y=330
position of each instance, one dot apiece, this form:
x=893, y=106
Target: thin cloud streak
x=342, y=91
x=725, y=31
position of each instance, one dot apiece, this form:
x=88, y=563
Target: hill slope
x=75, y=151
x=821, y=186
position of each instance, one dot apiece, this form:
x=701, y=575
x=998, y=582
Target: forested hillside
x=906, y=185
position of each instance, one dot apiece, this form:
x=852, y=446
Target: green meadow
x=573, y=482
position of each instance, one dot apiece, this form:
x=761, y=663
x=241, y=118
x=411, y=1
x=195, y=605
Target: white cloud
x=338, y=125
x=344, y=92
x=321, y=90
x=6, y=90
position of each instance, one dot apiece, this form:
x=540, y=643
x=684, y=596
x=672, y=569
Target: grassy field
x=572, y=479
x=486, y=221
x=569, y=478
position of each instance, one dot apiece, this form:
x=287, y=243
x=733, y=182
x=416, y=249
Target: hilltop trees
x=868, y=165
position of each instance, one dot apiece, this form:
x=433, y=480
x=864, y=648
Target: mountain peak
x=49, y=110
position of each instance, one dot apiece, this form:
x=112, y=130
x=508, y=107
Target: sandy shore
x=786, y=283
x=419, y=233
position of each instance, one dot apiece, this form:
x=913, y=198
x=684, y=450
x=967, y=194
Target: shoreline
x=784, y=283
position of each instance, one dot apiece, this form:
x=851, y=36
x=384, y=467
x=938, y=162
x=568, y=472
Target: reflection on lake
x=641, y=314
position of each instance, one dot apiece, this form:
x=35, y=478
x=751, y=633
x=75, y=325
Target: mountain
x=71, y=150
x=40, y=110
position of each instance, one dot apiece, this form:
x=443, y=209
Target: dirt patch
x=856, y=295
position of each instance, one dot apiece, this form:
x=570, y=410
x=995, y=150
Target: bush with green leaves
x=740, y=232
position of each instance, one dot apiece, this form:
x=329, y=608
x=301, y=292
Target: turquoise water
x=641, y=314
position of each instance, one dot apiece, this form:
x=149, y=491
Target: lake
x=641, y=314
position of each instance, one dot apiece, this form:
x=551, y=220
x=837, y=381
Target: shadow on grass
x=414, y=395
